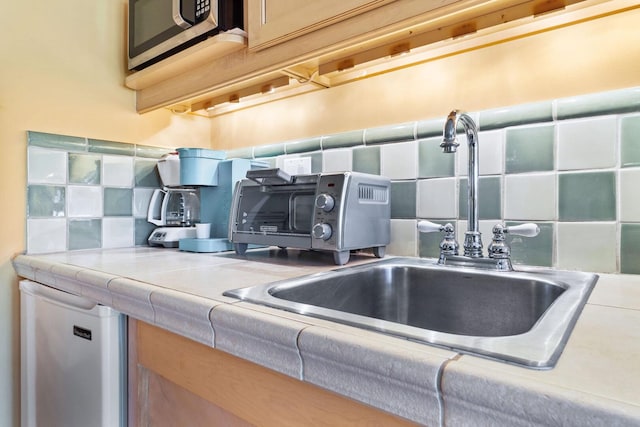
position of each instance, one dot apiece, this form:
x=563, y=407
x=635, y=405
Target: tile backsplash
x=86, y=193
x=571, y=165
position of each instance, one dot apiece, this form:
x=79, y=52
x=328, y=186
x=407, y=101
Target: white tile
x=403, y=237
x=117, y=171
x=141, y=200
x=47, y=166
x=117, y=232
x=587, y=246
x=630, y=195
x=399, y=160
x=84, y=201
x=46, y=235
x=338, y=160
x=587, y=144
x=530, y=197
x=490, y=149
x=437, y=198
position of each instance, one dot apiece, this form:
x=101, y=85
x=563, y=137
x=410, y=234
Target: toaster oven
x=336, y=212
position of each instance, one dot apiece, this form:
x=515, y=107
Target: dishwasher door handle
x=56, y=296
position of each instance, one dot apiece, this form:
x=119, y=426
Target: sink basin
x=522, y=317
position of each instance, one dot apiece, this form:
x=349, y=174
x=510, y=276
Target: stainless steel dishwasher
x=73, y=360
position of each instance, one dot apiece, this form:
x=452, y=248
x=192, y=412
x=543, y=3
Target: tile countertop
x=596, y=381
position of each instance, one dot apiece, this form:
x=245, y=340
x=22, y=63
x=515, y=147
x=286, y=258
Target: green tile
x=630, y=141
x=303, y=145
x=536, y=250
x=118, y=202
x=613, y=102
x=515, y=115
x=84, y=168
x=432, y=162
x=429, y=243
x=268, y=150
x=385, y=134
x=63, y=142
x=430, y=128
x=366, y=160
x=85, y=234
x=142, y=231
x=489, y=198
x=146, y=173
x=530, y=149
x=587, y=196
x=240, y=153
x=403, y=199
x=630, y=249
x=45, y=201
x=343, y=140
x=152, y=152
x=111, y=147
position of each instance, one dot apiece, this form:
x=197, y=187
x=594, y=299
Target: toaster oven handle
x=272, y=176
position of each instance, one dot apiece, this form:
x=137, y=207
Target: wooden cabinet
x=274, y=21
x=317, y=41
x=176, y=381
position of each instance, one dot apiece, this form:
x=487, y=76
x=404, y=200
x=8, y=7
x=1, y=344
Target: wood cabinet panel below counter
x=210, y=387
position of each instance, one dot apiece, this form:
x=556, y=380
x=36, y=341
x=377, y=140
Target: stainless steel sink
x=522, y=317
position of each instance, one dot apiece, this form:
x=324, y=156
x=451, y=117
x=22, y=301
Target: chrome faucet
x=473, y=238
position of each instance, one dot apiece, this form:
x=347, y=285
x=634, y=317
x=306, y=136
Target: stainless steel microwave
x=160, y=28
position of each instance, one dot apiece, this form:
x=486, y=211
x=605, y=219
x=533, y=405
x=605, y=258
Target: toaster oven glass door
x=281, y=212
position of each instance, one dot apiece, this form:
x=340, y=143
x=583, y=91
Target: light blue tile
x=489, y=198
x=316, y=161
x=530, y=149
x=394, y=133
x=430, y=128
x=46, y=166
x=118, y=202
x=630, y=249
x=367, y=160
x=630, y=141
x=433, y=163
x=515, y=115
x=63, y=142
x=613, y=102
x=152, y=152
x=85, y=234
x=111, y=147
x=589, y=196
x=45, y=201
x=146, y=173
x=344, y=139
x=536, y=250
x=268, y=150
x=303, y=145
x=403, y=199
x=84, y=168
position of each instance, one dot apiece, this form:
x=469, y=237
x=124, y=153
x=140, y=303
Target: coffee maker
x=175, y=209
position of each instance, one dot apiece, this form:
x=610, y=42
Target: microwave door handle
x=177, y=15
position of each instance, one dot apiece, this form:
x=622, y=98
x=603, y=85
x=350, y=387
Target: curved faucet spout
x=473, y=239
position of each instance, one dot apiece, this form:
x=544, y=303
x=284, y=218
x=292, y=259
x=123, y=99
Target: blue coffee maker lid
x=202, y=153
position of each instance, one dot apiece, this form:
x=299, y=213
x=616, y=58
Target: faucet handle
x=448, y=245
x=529, y=229
x=498, y=248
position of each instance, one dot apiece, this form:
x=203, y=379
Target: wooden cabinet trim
x=254, y=393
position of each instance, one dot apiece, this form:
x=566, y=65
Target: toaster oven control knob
x=322, y=231
x=326, y=202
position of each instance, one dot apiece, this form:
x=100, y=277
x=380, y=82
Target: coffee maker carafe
x=174, y=210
